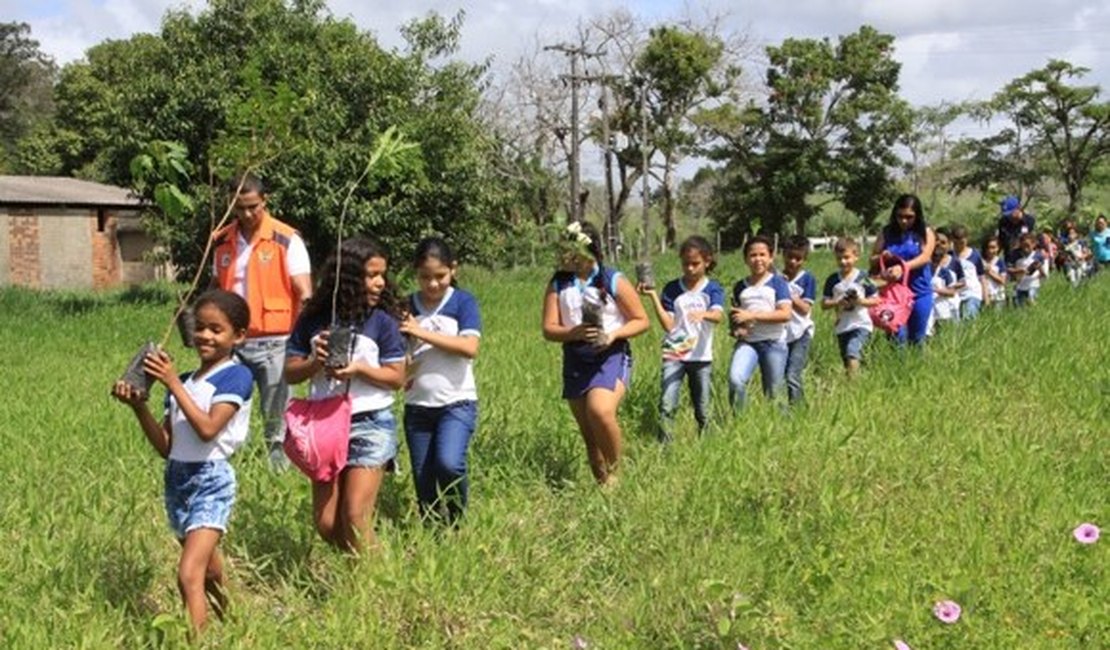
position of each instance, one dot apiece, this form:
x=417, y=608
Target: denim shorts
x=373, y=439
x=852, y=342
x=1023, y=296
x=198, y=495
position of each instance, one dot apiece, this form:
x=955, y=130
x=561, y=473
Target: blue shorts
x=579, y=378
x=373, y=439
x=852, y=342
x=198, y=495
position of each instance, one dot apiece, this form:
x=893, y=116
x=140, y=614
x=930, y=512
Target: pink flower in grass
x=899, y=644
x=580, y=643
x=741, y=646
x=1086, y=533
x=947, y=611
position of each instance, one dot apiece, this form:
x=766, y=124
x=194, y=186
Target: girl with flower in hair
x=593, y=310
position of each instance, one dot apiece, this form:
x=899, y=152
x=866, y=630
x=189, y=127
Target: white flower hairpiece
x=574, y=233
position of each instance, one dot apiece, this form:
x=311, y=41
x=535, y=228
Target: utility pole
x=644, y=164
x=610, y=221
x=574, y=52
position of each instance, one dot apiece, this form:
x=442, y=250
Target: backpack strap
x=905, y=280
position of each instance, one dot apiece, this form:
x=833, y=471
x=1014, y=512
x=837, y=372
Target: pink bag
x=895, y=301
x=316, y=435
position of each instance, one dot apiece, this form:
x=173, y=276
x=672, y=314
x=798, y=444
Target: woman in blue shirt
x=908, y=238
x=1100, y=241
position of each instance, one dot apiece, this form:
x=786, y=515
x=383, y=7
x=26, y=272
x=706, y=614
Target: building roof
x=60, y=191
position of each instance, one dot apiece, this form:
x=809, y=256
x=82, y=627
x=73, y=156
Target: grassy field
x=957, y=473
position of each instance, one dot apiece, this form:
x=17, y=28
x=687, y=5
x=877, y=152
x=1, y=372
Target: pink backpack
x=316, y=435
x=895, y=301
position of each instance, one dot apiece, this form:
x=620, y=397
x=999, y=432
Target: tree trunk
x=668, y=205
x=1075, y=190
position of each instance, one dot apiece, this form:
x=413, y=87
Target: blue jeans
x=266, y=360
x=797, y=355
x=438, y=439
x=699, y=374
x=769, y=356
x=918, y=326
x=969, y=308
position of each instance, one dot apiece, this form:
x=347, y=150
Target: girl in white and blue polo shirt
x=689, y=309
x=343, y=508
x=441, y=398
x=593, y=310
x=761, y=308
x=207, y=417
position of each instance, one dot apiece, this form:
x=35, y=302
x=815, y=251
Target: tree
x=26, y=78
x=829, y=127
x=303, y=98
x=930, y=146
x=535, y=107
x=1067, y=121
x=682, y=71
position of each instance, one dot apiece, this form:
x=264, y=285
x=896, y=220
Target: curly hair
x=351, y=306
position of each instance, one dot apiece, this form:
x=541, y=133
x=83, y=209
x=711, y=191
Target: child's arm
x=390, y=376
x=800, y=306
x=555, y=331
x=158, y=434
x=207, y=424
x=716, y=312
x=870, y=296
x=665, y=319
x=827, y=299
x=710, y=316
x=781, y=314
x=298, y=367
x=464, y=346
x=636, y=319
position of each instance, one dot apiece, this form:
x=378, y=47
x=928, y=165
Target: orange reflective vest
x=270, y=294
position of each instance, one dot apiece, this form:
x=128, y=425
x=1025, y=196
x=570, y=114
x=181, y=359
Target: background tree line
x=283, y=86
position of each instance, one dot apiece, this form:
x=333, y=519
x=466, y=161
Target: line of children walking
x=591, y=309
x=771, y=319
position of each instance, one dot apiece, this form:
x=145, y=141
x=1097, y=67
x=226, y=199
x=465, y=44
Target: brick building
x=65, y=233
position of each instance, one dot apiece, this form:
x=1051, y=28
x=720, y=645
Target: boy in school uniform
x=850, y=292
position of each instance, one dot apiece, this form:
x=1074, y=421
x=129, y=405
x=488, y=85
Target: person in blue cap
x=1011, y=226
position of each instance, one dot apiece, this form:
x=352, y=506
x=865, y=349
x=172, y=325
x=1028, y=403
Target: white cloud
x=950, y=49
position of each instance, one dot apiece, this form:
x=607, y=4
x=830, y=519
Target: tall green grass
x=957, y=472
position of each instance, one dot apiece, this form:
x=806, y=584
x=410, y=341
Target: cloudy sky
x=950, y=49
